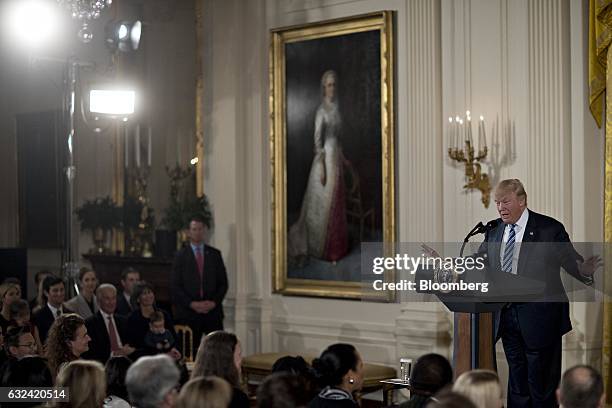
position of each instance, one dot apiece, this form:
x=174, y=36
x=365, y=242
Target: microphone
x=480, y=228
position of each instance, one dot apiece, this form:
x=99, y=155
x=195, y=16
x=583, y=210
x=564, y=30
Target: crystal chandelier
x=85, y=11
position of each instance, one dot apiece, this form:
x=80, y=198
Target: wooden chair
x=185, y=341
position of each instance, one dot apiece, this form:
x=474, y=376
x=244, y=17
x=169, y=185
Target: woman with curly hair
x=66, y=342
x=220, y=355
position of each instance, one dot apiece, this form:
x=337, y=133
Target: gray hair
x=105, y=286
x=581, y=386
x=150, y=379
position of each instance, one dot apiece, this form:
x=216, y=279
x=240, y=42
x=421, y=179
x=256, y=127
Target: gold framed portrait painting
x=332, y=148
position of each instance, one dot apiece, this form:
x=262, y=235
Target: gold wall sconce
x=461, y=149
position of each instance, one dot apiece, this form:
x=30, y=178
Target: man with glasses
x=20, y=343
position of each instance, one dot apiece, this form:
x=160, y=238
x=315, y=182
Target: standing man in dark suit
x=53, y=288
x=108, y=331
x=129, y=276
x=531, y=331
x=199, y=283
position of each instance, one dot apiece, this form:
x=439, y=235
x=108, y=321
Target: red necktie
x=112, y=335
x=200, y=262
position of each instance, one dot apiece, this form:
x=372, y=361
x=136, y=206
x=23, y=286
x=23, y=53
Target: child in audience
x=158, y=339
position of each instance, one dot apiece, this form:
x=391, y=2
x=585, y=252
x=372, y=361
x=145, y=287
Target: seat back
x=185, y=341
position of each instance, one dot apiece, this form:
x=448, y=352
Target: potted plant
x=179, y=213
x=99, y=216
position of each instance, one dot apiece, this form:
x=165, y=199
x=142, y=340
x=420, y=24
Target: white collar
x=522, y=222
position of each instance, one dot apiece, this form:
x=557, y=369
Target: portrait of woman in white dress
x=321, y=230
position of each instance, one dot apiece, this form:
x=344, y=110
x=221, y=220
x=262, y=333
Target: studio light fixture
x=30, y=22
x=123, y=35
x=112, y=102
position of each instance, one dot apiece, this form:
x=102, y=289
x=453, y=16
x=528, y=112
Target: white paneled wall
x=513, y=61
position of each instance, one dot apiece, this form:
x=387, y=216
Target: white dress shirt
x=106, y=316
x=54, y=310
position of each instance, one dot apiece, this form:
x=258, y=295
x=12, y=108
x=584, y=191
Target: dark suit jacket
x=123, y=307
x=99, y=346
x=186, y=284
x=542, y=321
x=43, y=319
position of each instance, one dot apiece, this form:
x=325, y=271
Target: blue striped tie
x=509, y=250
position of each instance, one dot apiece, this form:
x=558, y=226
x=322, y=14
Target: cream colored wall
x=519, y=63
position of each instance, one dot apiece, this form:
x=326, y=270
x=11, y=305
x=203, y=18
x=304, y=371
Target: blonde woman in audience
x=205, y=392
x=86, y=383
x=220, y=355
x=67, y=340
x=9, y=292
x=85, y=303
x=480, y=386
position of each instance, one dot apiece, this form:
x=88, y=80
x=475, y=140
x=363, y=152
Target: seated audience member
x=3, y=353
x=282, y=390
x=67, y=340
x=86, y=383
x=108, y=331
x=298, y=366
x=39, y=300
x=53, y=288
x=158, y=339
x=27, y=372
x=116, y=391
x=129, y=276
x=20, y=343
x=205, y=392
x=339, y=370
x=581, y=387
x=152, y=381
x=143, y=301
x=481, y=387
x=450, y=399
x=220, y=355
x=9, y=292
x=430, y=374
x=85, y=303
x=20, y=317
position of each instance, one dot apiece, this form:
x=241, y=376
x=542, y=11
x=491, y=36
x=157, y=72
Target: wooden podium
x=474, y=342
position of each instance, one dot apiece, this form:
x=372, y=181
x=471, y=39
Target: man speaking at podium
x=531, y=331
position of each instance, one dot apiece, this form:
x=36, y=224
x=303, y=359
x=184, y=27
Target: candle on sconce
x=457, y=133
x=149, y=148
x=482, y=138
x=468, y=123
x=126, y=161
x=451, y=139
x=137, y=144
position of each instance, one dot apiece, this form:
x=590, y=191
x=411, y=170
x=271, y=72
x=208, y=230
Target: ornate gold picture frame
x=332, y=149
